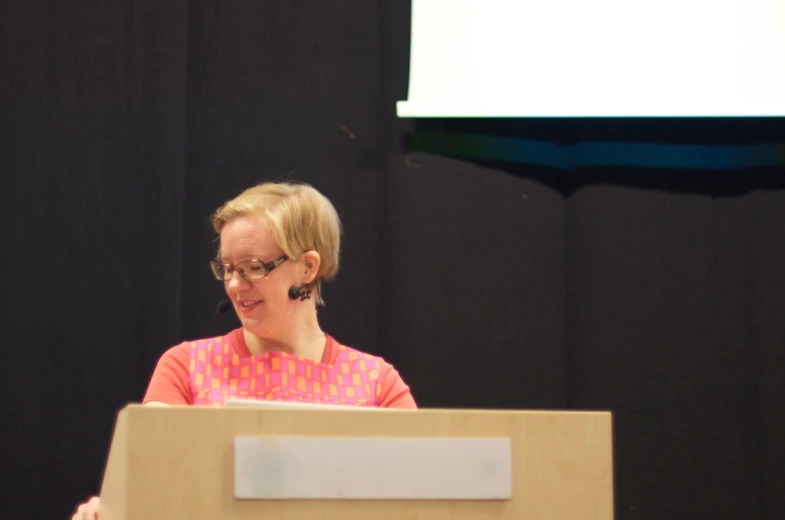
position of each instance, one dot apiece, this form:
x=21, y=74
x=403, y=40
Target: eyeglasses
x=249, y=269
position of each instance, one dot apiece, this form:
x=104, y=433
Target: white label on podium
x=372, y=468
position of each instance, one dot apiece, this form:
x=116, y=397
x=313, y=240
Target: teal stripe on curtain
x=592, y=154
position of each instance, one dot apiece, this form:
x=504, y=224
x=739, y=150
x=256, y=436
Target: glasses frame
x=230, y=269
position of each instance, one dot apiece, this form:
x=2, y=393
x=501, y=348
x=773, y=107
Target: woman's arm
x=170, y=383
x=395, y=392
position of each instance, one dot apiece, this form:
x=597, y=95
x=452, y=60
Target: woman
x=279, y=242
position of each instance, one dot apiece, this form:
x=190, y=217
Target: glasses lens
x=252, y=269
x=219, y=270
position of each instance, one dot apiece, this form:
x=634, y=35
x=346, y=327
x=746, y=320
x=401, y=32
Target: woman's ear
x=311, y=261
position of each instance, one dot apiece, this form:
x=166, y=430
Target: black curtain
x=653, y=293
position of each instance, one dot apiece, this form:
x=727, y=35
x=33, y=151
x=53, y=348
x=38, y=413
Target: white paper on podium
x=368, y=468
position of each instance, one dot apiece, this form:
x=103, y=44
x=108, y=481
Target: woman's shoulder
x=212, y=343
x=394, y=391
x=339, y=351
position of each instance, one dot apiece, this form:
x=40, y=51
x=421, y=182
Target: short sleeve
x=170, y=382
x=395, y=392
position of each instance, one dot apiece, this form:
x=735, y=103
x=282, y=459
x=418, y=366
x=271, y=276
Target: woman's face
x=263, y=305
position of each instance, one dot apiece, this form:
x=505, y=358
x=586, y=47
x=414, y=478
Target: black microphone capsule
x=224, y=307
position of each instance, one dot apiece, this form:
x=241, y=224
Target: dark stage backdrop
x=656, y=294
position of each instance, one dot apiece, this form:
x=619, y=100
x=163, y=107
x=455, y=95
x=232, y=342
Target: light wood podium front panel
x=177, y=463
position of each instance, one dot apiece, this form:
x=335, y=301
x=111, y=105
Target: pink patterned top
x=209, y=371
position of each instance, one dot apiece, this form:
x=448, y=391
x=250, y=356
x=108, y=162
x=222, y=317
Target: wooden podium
x=194, y=463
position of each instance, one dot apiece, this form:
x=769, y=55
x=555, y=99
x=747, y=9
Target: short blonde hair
x=301, y=218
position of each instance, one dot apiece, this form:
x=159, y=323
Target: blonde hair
x=301, y=218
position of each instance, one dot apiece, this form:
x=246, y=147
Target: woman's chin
x=254, y=325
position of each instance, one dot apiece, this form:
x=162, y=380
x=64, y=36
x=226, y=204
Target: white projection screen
x=596, y=58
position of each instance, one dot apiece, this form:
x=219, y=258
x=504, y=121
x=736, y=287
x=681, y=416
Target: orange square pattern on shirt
x=217, y=374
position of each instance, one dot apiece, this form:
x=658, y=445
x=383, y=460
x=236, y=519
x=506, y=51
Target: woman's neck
x=305, y=340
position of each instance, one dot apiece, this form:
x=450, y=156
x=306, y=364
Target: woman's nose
x=236, y=282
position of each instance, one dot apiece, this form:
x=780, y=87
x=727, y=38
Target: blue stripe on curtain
x=593, y=154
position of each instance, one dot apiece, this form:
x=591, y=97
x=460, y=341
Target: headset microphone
x=224, y=307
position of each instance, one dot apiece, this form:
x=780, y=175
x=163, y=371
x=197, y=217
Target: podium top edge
x=426, y=411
